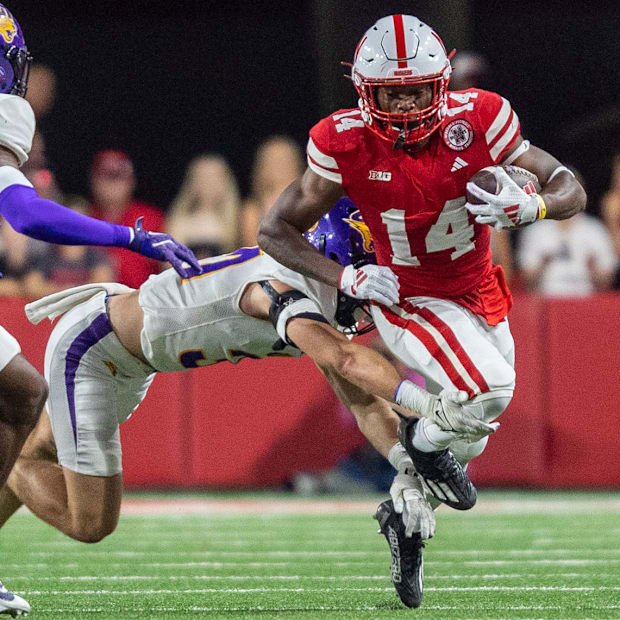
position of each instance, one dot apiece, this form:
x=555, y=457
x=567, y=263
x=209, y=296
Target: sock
x=428, y=437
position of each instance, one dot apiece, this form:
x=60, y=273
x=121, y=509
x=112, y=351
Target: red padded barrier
x=583, y=380
x=257, y=423
x=516, y=453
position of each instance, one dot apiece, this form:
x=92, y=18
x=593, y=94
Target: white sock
x=428, y=437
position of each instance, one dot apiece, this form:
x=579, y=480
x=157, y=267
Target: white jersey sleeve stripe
x=499, y=122
x=507, y=136
x=320, y=158
x=328, y=174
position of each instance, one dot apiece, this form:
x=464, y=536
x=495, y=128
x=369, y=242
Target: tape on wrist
x=557, y=171
x=542, y=207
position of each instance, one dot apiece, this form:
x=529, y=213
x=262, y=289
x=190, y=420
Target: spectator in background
x=112, y=185
x=277, y=163
x=63, y=266
x=567, y=258
x=610, y=211
x=41, y=92
x=469, y=70
x=18, y=256
x=204, y=215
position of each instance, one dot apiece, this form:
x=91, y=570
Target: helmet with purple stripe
x=342, y=235
x=14, y=56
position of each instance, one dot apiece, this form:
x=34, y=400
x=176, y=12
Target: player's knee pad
x=489, y=406
x=464, y=451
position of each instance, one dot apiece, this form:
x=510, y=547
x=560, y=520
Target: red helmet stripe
x=443, y=47
x=401, y=47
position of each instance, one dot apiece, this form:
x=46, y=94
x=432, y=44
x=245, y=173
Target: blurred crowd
x=575, y=257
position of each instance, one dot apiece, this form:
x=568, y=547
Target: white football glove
x=510, y=208
x=445, y=410
x=410, y=500
x=370, y=282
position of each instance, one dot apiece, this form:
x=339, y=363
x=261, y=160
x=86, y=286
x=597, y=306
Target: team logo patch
x=458, y=135
x=8, y=28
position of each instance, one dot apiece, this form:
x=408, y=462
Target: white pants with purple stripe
x=95, y=384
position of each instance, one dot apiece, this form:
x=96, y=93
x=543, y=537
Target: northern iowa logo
x=458, y=134
x=8, y=27
x=356, y=222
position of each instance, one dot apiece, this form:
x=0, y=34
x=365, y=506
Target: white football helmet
x=401, y=50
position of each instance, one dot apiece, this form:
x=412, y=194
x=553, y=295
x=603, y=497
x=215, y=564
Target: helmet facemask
x=402, y=128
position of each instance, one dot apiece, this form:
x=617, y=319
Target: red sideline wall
x=257, y=423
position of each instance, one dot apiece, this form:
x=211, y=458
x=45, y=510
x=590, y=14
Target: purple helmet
x=342, y=235
x=14, y=57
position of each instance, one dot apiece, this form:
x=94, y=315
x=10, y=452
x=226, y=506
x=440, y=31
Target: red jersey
x=131, y=268
x=413, y=203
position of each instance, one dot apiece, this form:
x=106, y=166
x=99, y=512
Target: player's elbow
x=267, y=233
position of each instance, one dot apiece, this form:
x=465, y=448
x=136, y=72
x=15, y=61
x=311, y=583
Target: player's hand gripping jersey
x=413, y=202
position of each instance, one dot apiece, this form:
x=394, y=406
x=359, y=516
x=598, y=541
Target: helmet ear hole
x=334, y=257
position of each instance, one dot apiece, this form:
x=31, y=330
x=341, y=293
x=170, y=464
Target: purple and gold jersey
x=195, y=322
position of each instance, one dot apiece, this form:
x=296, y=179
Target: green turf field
x=513, y=556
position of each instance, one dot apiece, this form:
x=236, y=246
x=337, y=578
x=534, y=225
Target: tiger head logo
x=8, y=27
x=356, y=222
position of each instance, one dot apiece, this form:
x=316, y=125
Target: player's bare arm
x=562, y=193
x=374, y=416
x=301, y=204
x=363, y=367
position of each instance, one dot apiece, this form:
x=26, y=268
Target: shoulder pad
x=17, y=126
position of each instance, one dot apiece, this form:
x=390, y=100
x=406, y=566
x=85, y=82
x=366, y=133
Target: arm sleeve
x=48, y=221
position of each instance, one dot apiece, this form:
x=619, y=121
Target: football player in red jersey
x=405, y=156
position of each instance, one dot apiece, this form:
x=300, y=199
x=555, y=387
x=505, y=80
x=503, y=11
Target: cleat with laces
x=407, y=570
x=440, y=472
x=12, y=604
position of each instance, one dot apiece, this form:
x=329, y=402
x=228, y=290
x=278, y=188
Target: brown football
x=485, y=179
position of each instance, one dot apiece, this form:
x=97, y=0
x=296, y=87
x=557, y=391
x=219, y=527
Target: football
x=486, y=180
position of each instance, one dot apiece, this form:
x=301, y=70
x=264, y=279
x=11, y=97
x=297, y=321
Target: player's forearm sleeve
x=48, y=221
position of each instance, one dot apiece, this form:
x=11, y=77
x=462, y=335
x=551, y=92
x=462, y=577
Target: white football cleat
x=12, y=604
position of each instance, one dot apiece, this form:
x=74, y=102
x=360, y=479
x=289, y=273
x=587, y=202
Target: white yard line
x=276, y=507
x=328, y=578
x=319, y=590
x=285, y=553
x=85, y=561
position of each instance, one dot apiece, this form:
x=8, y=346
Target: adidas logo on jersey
x=458, y=164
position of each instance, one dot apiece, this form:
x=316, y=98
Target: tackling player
x=404, y=156
x=105, y=350
x=22, y=389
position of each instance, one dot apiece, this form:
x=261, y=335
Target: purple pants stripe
x=97, y=330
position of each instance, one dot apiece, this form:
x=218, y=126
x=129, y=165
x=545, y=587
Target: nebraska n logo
x=458, y=164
